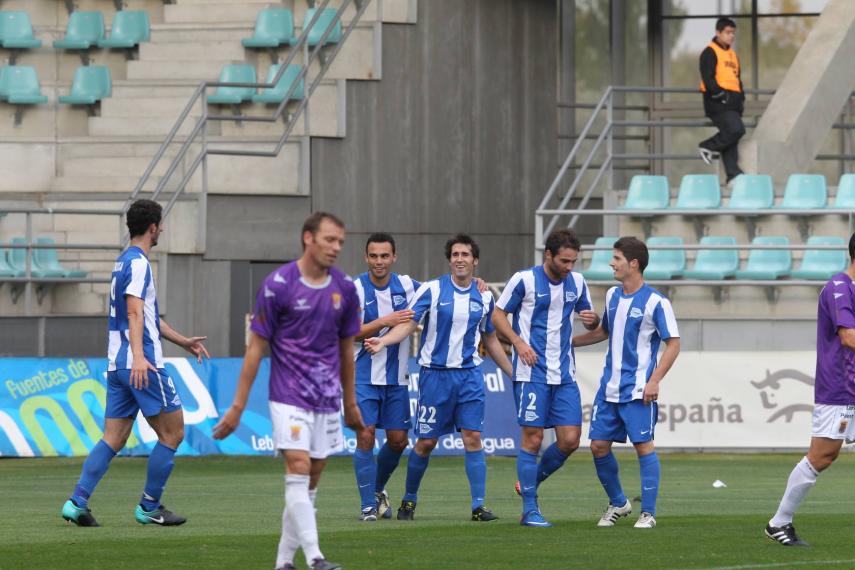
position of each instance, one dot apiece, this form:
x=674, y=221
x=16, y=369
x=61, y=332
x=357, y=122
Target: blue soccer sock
x=607, y=471
x=387, y=462
x=476, y=472
x=649, y=466
x=416, y=467
x=366, y=473
x=160, y=464
x=551, y=462
x=527, y=471
x=94, y=467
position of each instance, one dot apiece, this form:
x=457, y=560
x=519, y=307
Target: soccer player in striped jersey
x=381, y=384
x=451, y=386
x=636, y=320
x=136, y=378
x=542, y=300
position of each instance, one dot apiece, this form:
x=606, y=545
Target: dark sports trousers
x=726, y=140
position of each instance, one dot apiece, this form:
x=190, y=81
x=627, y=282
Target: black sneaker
x=483, y=514
x=77, y=515
x=159, y=516
x=407, y=511
x=785, y=535
x=322, y=564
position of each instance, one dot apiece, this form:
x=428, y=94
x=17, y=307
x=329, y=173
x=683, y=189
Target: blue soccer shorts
x=449, y=400
x=611, y=421
x=548, y=405
x=384, y=407
x=124, y=401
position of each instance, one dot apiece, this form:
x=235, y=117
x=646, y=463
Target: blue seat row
x=19, y=85
x=44, y=262
x=274, y=27
x=245, y=73
x=85, y=30
x=718, y=264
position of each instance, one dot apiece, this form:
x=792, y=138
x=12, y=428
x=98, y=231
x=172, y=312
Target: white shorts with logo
x=834, y=421
x=316, y=432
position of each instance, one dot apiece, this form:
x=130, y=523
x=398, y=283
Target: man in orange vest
x=723, y=98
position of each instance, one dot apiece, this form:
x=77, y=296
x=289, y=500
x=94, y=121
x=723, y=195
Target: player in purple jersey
x=307, y=313
x=834, y=398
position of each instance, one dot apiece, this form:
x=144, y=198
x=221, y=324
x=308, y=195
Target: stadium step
x=192, y=33
x=84, y=184
x=196, y=51
x=175, y=69
x=110, y=166
x=126, y=126
x=216, y=12
x=158, y=107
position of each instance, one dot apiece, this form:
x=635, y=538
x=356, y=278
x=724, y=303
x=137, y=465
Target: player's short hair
x=313, y=223
x=723, y=23
x=633, y=248
x=464, y=239
x=560, y=239
x=380, y=237
x=852, y=247
x=141, y=215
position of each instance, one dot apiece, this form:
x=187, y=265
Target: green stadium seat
x=277, y=94
x=18, y=258
x=752, y=192
x=804, y=192
x=91, y=84
x=598, y=269
x=273, y=27
x=714, y=264
x=647, y=193
x=767, y=263
x=325, y=20
x=845, y=197
x=699, y=192
x=234, y=73
x=665, y=263
x=6, y=268
x=130, y=28
x=821, y=264
x=16, y=31
x=19, y=85
x=48, y=260
x=84, y=31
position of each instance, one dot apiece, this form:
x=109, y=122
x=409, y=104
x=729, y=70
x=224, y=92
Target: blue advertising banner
x=51, y=407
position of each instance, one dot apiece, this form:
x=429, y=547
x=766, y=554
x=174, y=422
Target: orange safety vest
x=726, y=69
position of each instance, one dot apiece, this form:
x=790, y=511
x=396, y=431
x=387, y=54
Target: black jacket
x=715, y=98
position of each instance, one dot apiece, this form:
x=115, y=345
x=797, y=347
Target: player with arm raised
x=451, y=386
x=542, y=300
x=636, y=319
x=307, y=314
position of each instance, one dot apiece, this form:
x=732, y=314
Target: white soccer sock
x=802, y=478
x=290, y=542
x=301, y=515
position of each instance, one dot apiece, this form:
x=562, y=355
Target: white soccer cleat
x=383, y=508
x=646, y=520
x=613, y=513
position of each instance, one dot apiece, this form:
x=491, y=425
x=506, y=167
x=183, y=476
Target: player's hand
x=353, y=418
x=526, y=353
x=374, y=344
x=139, y=373
x=481, y=285
x=589, y=318
x=393, y=319
x=651, y=391
x=194, y=346
x=228, y=423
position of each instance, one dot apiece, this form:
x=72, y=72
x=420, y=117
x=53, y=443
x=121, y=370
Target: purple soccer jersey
x=304, y=325
x=835, y=364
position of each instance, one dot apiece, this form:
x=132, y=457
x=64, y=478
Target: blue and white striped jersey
x=132, y=276
x=454, y=320
x=636, y=325
x=389, y=366
x=543, y=318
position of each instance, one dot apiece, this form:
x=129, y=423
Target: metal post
x=28, y=287
x=538, y=235
x=203, y=201
x=610, y=140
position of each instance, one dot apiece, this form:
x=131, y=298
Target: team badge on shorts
x=336, y=301
x=843, y=425
x=295, y=432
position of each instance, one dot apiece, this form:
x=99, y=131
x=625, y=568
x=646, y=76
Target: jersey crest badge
x=569, y=296
x=474, y=306
x=636, y=313
x=398, y=300
x=336, y=301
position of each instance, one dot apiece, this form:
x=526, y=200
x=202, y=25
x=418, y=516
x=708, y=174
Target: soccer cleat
x=483, y=514
x=384, y=510
x=321, y=564
x=159, y=516
x=534, y=518
x=407, y=511
x=613, y=513
x=706, y=155
x=78, y=515
x=785, y=535
x=288, y=566
x=369, y=514
x=646, y=520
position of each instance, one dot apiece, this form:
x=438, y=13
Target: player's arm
x=368, y=330
x=847, y=337
x=192, y=344
x=352, y=415
x=394, y=336
x=599, y=334
x=525, y=352
x=136, y=320
x=497, y=353
x=672, y=349
x=251, y=360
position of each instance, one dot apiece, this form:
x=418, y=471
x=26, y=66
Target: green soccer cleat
x=159, y=516
x=78, y=515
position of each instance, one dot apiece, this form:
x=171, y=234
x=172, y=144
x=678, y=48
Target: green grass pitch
x=234, y=508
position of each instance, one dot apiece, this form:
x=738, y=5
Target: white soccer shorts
x=834, y=422
x=295, y=428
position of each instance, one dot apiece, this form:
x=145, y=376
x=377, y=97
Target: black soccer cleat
x=159, y=516
x=77, y=515
x=483, y=514
x=785, y=535
x=407, y=511
x=322, y=564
